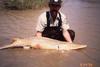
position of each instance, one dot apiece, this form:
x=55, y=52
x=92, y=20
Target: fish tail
x=6, y=47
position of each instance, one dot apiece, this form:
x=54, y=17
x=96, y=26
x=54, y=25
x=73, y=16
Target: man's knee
x=72, y=34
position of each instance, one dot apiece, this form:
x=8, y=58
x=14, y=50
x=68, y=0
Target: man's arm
x=41, y=24
x=67, y=36
x=65, y=27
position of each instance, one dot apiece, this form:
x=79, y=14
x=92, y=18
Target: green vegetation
x=25, y=4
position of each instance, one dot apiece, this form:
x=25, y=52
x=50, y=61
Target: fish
x=42, y=43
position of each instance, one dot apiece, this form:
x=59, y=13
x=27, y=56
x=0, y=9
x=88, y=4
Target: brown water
x=84, y=18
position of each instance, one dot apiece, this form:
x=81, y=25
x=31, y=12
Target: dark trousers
x=72, y=34
x=56, y=33
x=61, y=37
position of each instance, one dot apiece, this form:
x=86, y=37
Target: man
x=53, y=24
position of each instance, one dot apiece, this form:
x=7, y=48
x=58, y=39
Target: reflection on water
x=84, y=18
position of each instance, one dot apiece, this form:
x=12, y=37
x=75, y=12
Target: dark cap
x=56, y=2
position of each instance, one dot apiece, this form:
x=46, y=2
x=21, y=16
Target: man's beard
x=54, y=12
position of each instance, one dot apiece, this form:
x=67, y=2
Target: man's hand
x=67, y=36
x=38, y=34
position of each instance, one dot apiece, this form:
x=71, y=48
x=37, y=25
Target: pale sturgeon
x=43, y=43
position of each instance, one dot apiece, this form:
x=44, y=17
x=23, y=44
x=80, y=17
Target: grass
x=25, y=4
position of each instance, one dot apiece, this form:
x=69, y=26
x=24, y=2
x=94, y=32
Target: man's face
x=54, y=7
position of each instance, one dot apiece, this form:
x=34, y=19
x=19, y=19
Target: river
x=84, y=19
